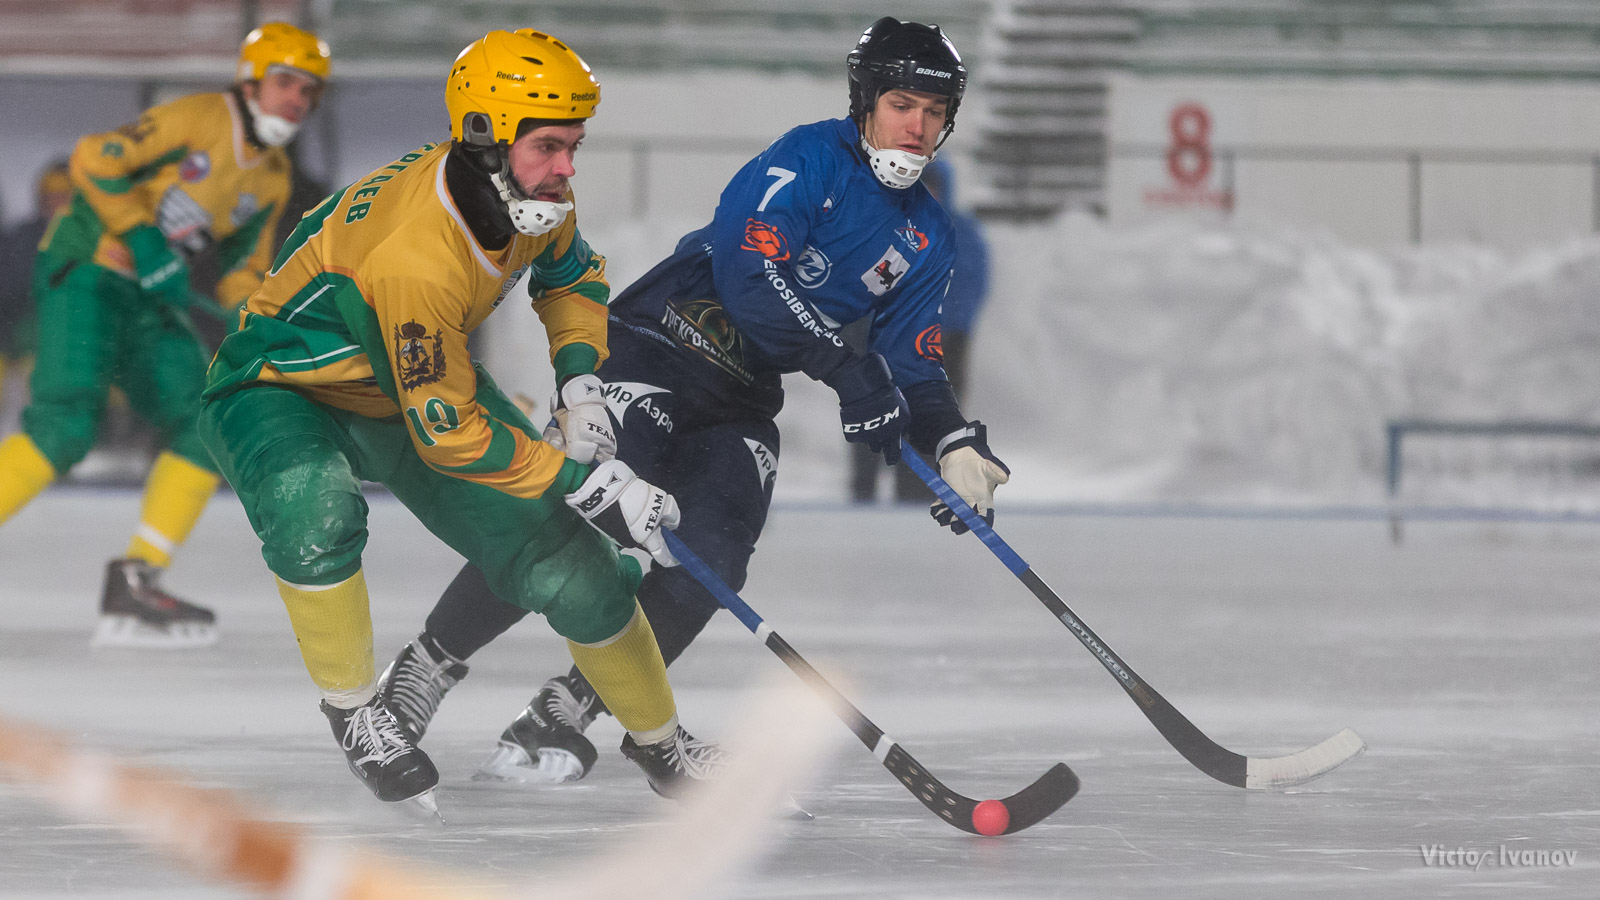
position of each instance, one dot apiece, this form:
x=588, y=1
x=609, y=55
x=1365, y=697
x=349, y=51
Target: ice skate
x=136, y=612
x=674, y=764
x=545, y=744
x=791, y=809
x=381, y=755
x=415, y=683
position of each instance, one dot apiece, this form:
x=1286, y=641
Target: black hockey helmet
x=909, y=56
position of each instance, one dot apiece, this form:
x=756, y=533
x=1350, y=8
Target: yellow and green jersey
x=187, y=168
x=371, y=299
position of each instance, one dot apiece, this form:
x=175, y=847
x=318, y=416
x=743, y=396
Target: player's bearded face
x=542, y=160
x=907, y=120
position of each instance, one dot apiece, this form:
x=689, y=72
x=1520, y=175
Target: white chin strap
x=274, y=131
x=898, y=169
x=531, y=217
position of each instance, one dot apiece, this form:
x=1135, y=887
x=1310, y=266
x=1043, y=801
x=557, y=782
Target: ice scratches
x=221, y=836
x=1124, y=839
x=728, y=822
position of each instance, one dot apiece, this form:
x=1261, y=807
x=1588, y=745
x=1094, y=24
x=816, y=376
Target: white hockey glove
x=626, y=508
x=582, y=425
x=973, y=471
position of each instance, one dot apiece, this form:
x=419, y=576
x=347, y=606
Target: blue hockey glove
x=162, y=273
x=871, y=409
x=973, y=471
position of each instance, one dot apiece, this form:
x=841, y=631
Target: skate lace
x=696, y=758
x=144, y=585
x=419, y=685
x=377, y=734
x=565, y=707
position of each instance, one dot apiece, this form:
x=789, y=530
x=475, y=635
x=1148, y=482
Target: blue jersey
x=806, y=239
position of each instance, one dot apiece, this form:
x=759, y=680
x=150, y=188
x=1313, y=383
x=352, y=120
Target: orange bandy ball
x=991, y=818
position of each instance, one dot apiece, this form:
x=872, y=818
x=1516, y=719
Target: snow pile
x=1181, y=362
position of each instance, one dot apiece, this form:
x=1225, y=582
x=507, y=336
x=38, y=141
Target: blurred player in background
x=18, y=246
x=351, y=363
x=203, y=173
x=828, y=225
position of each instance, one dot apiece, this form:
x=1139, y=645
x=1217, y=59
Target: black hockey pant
x=718, y=460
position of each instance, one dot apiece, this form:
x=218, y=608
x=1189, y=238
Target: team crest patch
x=930, y=343
x=195, y=166
x=813, y=268
x=765, y=240
x=418, y=355
x=914, y=239
x=886, y=272
x=766, y=463
x=702, y=326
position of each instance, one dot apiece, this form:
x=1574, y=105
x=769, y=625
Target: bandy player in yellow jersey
x=204, y=173
x=351, y=363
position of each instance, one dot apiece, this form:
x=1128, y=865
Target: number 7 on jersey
x=783, y=176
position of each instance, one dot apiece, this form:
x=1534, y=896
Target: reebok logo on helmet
x=510, y=76
x=584, y=98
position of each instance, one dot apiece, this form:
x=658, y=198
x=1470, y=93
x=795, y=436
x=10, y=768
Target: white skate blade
x=509, y=762
x=424, y=807
x=791, y=810
x=130, y=631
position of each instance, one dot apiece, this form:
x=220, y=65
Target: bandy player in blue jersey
x=827, y=226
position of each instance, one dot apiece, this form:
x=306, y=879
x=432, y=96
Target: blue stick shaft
x=1041, y=798
x=719, y=589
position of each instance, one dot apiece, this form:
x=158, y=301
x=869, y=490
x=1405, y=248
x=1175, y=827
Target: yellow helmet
x=505, y=77
x=282, y=44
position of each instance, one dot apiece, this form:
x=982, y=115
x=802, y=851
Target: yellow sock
x=627, y=673
x=175, y=495
x=334, y=626
x=24, y=472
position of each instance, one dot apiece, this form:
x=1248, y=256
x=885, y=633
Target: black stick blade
x=1026, y=807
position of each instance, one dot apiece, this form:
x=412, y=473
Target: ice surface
x=1466, y=659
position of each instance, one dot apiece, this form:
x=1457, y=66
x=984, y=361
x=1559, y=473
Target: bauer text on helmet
x=906, y=82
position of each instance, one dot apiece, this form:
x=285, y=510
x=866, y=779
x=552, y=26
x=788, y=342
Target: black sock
x=469, y=615
x=678, y=609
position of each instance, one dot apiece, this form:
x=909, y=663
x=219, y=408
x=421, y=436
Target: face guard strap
x=493, y=159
